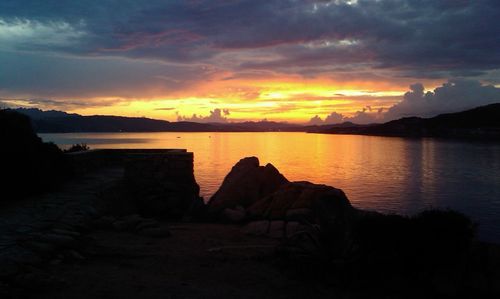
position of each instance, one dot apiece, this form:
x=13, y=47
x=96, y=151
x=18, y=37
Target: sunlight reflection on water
x=392, y=175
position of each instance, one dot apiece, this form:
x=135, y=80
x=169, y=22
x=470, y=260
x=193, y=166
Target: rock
x=293, y=228
x=75, y=255
x=55, y=262
x=257, y=228
x=10, y=268
x=65, y=232
x=127, y=223
x=273, y=229
x=299, y=214
x=147, y=223
x=37, y=280
x=120, y=225
x=156, y=232
x=103, y=222
x=237, y=214
x=302, y=201
x=39, y=247
x=246, y=183
x=90, y=211
x=277, y=229
x=58, y=240
x=63, y=226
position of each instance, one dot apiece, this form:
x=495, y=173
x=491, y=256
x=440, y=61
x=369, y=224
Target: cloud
x=25, y=34
x=453, y=96
x=49, y=76
x=145, y=49
x=316, y=120
x=418, y=39
x=52, y=104
x=4, y=105
x=216, y=116
x=334, y=118
x=165, y=109
x=363, y=116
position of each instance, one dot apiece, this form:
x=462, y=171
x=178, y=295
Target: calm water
x=393, y=175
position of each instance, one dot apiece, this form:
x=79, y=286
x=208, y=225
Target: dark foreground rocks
x=246, y=183
x=252, y=193
x=287, y=240
x=324, y=236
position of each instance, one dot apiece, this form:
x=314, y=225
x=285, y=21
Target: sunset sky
x=232, y=60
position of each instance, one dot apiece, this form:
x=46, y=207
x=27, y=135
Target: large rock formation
x=303, y=201
x=301, y=206
x=264, y=197
x=247, y=183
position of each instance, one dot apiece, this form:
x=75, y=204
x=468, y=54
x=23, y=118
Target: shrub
x=29, y=166
x=79, y=147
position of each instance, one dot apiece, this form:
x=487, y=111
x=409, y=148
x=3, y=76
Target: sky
x=309, y=61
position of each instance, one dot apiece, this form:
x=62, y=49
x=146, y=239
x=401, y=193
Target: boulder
x=294, y=227
x=147, y=223
x=277, y=229
x=303, y=202
x=237, y=214
x=257, y=228
x=246, y=183
x=156, y=232
x=57, y=239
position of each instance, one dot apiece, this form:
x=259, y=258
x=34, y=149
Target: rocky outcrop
x=297, y=206
x=247, y=183
x=302, y=201
x=263, y=198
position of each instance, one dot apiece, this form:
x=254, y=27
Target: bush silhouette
x=79, y=147
x=29, y=165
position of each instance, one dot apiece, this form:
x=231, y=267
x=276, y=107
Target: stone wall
x=156, y=182
x=87, y=161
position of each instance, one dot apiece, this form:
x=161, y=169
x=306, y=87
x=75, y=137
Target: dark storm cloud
x=28, y=74
x=415, y=38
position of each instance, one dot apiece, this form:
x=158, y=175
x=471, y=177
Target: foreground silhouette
x=29, y=166
x=132, y=224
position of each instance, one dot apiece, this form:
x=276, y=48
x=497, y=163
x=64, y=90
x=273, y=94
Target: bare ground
x=197, y=261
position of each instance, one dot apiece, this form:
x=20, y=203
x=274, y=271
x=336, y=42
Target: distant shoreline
x=478, y=123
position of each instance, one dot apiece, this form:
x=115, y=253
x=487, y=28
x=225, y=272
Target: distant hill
x=481, y=122
x=61, y=122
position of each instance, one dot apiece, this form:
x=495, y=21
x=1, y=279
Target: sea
x=385, y=174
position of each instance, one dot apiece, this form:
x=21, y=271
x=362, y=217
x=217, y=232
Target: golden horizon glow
x=292, y=99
